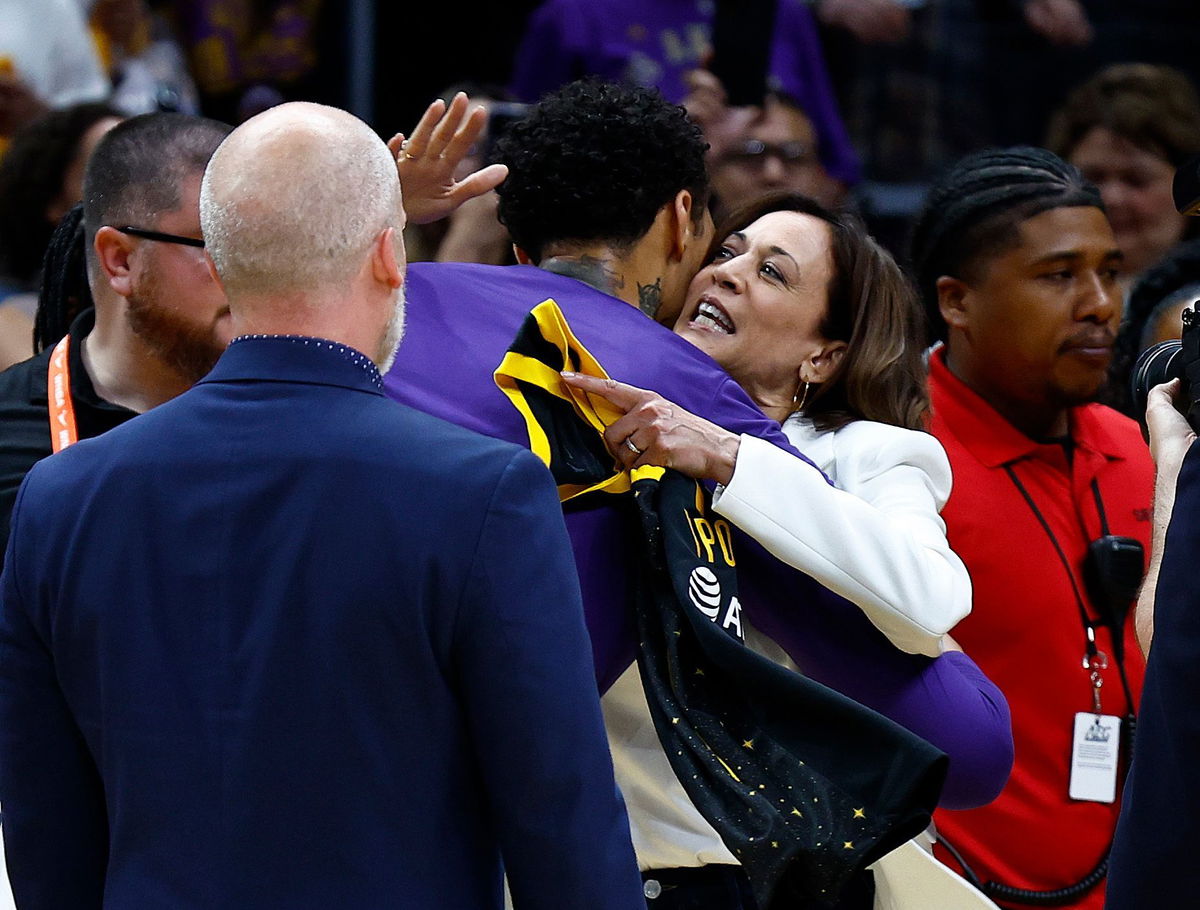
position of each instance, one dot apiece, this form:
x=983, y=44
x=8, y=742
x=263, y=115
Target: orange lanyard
x=58, y=390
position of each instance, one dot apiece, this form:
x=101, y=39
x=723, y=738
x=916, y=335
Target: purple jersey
x=462, y=318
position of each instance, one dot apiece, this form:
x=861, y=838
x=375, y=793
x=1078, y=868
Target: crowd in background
x=859, y=103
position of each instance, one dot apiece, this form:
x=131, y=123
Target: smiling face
x=758, y=307
x=1033, y=332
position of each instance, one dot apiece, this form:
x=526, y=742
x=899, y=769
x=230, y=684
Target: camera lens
x=1157, y=364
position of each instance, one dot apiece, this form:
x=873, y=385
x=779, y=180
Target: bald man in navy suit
x=282, y=642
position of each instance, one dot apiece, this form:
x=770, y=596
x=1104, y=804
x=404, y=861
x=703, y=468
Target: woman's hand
x=653, y=431
x=427, y=160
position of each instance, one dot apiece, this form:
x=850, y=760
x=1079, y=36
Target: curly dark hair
x=597, y=160
x=31, y=178
x=1173, y=279
x=974, y=213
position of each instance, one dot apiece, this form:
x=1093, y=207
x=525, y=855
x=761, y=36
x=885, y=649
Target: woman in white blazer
x=819, y=325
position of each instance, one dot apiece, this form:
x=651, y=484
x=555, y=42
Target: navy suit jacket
x=284, y=643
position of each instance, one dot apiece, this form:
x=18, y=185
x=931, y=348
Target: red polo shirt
x=1025, y=630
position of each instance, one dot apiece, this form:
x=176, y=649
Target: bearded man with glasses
x=159, y=322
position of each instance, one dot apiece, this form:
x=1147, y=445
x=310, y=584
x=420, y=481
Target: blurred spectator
x=145, y=62
x=47, y=59
x=659, y=42
x=1152, y=314
x=41, y=178
x=757, y=150
x=1060, y=44
x=911, y=76
x=247, y=55
x=1128, y=128
x=870, y=21
x=1116, y=31
x=923, y=82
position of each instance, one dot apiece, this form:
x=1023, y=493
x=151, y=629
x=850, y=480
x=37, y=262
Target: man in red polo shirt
x=1017, y=264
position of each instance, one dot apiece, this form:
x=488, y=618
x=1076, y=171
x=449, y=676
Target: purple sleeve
x=946, y=700
x=950, y=703
x=798, y=69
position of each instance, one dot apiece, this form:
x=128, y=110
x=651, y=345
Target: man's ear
x=212, y=271
x=113, y=251
x=523, y=258
x=952, y=300
x=683, y=229
x=387, y=264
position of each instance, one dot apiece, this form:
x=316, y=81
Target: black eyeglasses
x=755, y=151
x=160, y=236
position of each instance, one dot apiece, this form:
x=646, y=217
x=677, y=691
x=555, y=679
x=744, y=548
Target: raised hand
x=427, y=160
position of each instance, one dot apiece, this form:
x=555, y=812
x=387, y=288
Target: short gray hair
x=137, y=172
x=293, y=200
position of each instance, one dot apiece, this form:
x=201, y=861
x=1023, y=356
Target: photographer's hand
x=1171, y=436
x=427, y=160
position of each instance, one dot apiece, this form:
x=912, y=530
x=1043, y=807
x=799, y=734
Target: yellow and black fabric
x=804, y=786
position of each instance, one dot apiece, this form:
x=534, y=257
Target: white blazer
x=876, y=537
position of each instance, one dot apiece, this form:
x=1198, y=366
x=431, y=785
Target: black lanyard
x=1094, y=659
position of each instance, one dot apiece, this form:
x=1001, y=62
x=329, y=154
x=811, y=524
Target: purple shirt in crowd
x=656, y=43
x=461, y=321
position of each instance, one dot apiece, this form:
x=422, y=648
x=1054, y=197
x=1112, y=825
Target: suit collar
x=296, y=358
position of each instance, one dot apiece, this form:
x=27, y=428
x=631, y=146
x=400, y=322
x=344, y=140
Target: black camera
x=1169, y=360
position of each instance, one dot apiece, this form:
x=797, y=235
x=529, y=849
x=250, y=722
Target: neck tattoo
x=591, y=271
x=650, y=298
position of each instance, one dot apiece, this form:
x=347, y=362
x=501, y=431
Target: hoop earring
x=799, y=405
